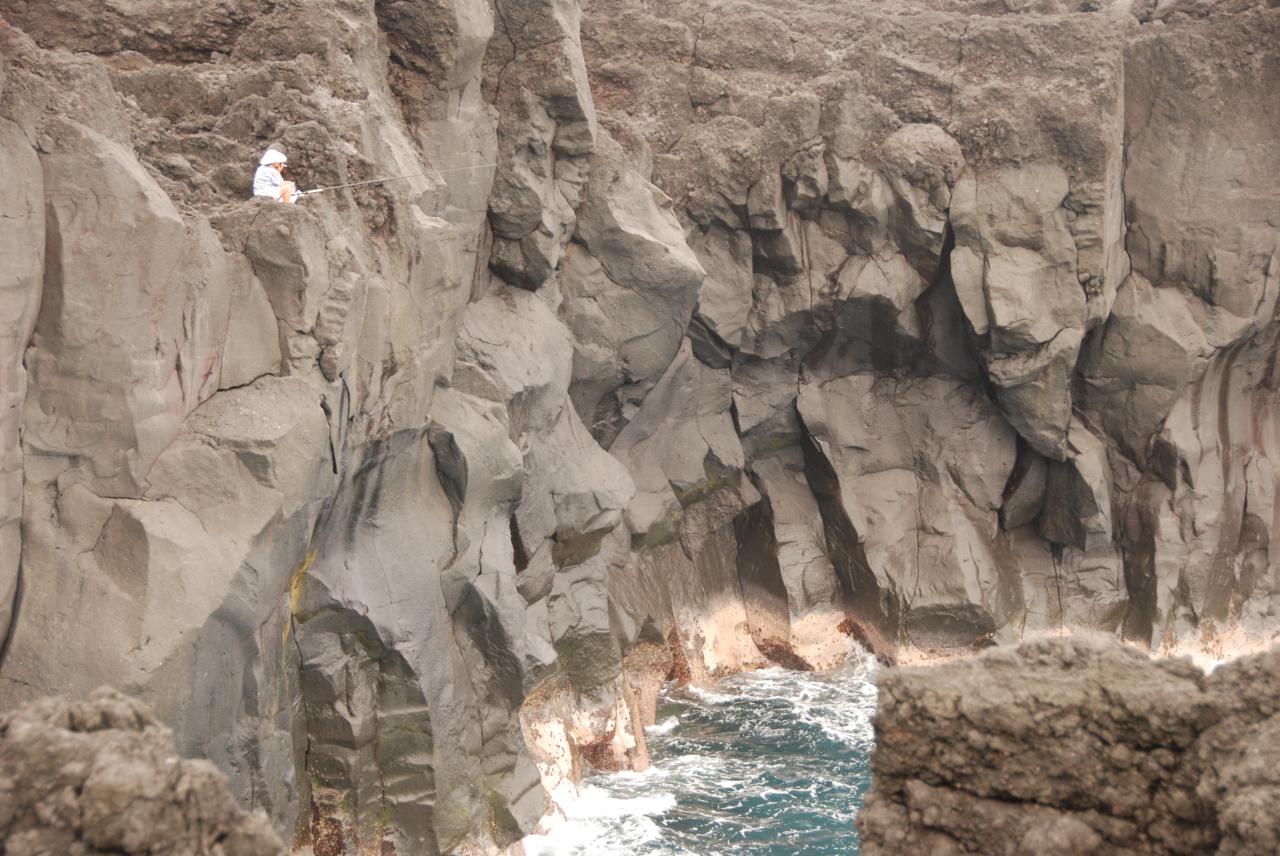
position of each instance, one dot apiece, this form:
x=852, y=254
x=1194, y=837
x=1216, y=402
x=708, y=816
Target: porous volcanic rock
x=1076, y=745
x=104, y=776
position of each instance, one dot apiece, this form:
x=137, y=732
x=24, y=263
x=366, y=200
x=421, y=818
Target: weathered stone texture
x=1073, y=746
x=103, y=776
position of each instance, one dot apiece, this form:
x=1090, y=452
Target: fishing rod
x=393, y=178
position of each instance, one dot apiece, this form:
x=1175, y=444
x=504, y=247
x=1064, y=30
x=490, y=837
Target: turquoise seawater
x=770, y=762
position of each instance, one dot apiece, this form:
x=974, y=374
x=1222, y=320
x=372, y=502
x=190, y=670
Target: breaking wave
x=769, y=762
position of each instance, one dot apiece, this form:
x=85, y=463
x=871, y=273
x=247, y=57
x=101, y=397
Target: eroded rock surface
x=696, y=337
x=103, y=776
x=1072, y=746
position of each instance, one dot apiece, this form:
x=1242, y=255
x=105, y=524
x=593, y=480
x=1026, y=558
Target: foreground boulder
x=1075, y=746
x=103, y=776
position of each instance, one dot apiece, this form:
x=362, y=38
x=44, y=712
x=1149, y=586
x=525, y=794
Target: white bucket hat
x=271, y=156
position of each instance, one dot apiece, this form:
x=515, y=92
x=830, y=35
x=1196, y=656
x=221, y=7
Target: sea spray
x=768, y=762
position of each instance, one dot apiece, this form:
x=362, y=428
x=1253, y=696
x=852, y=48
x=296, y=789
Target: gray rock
x=103, y=776
x=724, y=301
x=680, y=444
x=807, y=573
x=546, y=128
x=1074, y=745
x=919, y=488
x=1149, y=351
x=1182, y=406
x=684, y=338
x=116, y=414
x=22, y=225
x=1015, y=275
x=1077, y=502
x=1024, y=495
x=629, y=285
x=252, y=347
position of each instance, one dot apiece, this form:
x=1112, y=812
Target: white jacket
x=268, y=181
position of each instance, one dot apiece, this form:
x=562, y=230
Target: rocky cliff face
x=709, y=335
x=1066, y=747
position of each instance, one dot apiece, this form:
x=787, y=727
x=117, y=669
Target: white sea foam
x=596, y=802
x=666, y=726
x=600, y=822
x=707, y=696
x=841, y=703
x=697, y=799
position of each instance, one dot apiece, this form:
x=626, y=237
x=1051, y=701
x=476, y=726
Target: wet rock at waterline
x=772, y=762
x=1072, y=746
x=695, y=338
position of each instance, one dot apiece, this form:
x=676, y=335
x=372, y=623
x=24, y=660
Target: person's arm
x=286, y=192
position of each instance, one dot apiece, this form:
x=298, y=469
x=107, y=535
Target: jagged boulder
x=1073, y=746
x=104, y=776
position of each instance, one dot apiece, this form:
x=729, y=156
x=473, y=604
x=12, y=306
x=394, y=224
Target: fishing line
x=396, y=178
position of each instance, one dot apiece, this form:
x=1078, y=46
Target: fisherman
x=269, y=179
